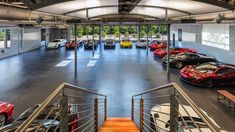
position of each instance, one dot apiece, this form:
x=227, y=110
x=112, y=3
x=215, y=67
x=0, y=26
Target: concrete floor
x=29, y=78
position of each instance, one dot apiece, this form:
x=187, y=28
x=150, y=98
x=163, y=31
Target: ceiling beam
x=158, y=7
x=125, y=16
x=218, y=3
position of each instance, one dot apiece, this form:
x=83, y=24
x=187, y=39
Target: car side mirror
x=156, y=115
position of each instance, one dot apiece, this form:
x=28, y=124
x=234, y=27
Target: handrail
x=198, y=111
x=154, y=89
x=74, y=87
x=44, y=104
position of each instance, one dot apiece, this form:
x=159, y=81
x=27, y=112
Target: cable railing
x=169, y=108
x=68, y=109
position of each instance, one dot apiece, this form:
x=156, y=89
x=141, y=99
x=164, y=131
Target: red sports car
x=6, y=111
x=161, y=52
x=209, y=74
x=71, y=44
x=157, y=45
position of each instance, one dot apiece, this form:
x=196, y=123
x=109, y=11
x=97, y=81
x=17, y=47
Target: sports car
x=55, y=44
x=44, y=122
x=209, y=74
x=187, y=58
x=161, y=52
x=109, y=44
x=141, y=44
x=126, y=43
x=157, y=45
x=161, y=119
x=6, y=112
x=71, y=44
x=88, y=44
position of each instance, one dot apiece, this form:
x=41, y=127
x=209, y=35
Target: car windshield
x=109, y=40
x=126, y=39
x=90, y=41
x=181, y=56
x=142, y=41
x=206, y=68
x=56, y=40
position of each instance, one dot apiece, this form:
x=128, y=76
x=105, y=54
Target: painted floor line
x=91, y=63
x=63, y=63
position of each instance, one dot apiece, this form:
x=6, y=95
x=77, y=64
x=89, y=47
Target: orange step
x=118, y=125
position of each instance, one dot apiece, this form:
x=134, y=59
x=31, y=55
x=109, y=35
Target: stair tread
x=119, y=124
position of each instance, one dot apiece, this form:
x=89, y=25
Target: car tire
x=3, y=119
x=179, y=64
x=209, y=83
x=59, y=46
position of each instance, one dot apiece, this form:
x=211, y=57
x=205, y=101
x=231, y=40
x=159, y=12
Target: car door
x=193, y=59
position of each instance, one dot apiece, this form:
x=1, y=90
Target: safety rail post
x=132, y=108
x=96, y=114
x=64, y=114
x=105, y=108
x=141, y=114
x=174, y=108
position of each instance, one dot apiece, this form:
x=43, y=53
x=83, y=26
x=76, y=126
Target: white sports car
x=161, y=119
x=57, y=43
x=141, y=44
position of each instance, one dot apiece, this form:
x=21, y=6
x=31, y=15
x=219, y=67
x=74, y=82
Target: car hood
x=165, y=108
x=159, y=51
x=190, y=72
x=141, y=43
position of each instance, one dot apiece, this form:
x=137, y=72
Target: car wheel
x=178, y=64
x=59, y=46
x=3, y=119
x=209, y=83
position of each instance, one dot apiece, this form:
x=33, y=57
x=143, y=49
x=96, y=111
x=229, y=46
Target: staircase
x=118, y=125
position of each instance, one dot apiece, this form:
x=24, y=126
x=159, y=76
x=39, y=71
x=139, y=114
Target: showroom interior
x=117, y=65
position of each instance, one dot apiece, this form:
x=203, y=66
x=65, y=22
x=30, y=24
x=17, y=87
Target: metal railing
x=73, y=109
x=169, y=108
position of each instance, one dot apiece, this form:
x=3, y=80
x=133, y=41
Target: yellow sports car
x=126, y=43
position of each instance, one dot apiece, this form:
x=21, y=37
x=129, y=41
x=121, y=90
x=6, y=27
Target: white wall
x=196, y=29
x=30, y=40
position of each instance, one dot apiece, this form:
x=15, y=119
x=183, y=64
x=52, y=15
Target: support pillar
x=147, y=39
x=168, y=46
x=93, y=41
x=119, y=35
x=75, y=50
x=68, y=36
x=173, y=40
x=138, y=33
x=5, y=38
x=100, y=34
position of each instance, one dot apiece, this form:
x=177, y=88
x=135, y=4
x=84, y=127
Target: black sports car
x=88, y=44
x=109, y=44
x=182, y=59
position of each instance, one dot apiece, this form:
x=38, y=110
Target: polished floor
x=29, y=78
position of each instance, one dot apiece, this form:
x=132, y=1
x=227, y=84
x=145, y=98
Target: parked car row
x=48, y=119
x=196, y=68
